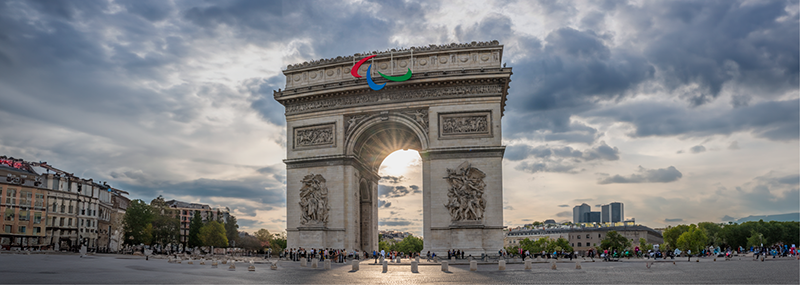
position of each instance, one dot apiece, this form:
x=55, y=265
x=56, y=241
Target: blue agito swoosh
x=372, y=83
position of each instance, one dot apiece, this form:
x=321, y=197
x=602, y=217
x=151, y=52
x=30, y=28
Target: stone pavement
x=118, y=269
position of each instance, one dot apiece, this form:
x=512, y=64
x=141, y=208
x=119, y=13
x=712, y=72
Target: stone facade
x=339, y=131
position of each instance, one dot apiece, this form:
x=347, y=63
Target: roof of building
x=582, y=229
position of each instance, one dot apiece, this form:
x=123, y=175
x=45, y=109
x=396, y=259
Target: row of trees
x=746, y=234
x=408, y=244
x=157, y=223
x=263, y=240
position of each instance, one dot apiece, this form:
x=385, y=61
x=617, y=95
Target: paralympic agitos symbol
x=354, y=72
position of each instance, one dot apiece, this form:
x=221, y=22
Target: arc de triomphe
x=339, y=130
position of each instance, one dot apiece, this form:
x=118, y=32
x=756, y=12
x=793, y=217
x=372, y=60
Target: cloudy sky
x=684, y=111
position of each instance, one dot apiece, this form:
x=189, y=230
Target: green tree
x=711, y=230
x=536, y=246
x=166, y=226
x=755, y=239
x=213, y=234
x=644, y=246
x=671, y=235
x=249, y=242
x=278, y=242
x=410, y=244
x=264, y=238
x=194, y=230
x=693, y=239
x=232, y=229
x=138, y=222
x=386, y=244
x=614, y=240
x=559, y=245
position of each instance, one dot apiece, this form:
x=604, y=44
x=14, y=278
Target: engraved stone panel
x=315, y=136
x=459, y=125
x=465, y=195
x=314, y=201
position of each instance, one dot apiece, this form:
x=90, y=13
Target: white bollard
x=414, y=267
x=190, y=262
x=274, y=265
x=553, y=264
x=501, y=265
x=232, y=267
x=252, y=266
x=578, y=265
x=327, y=264
x=303, y=262
x=381, y=259
x=355, y=264
x=473, y=265
x=528, y=264
x=417, y=259
x=214, y=264
x=314, y=263
x=445, y=268
x=203, y=261
x=385, y=266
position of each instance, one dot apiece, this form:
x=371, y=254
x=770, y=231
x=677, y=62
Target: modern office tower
x=591, y=217
x=617, y=212
x=579, y=211
x=605, y=214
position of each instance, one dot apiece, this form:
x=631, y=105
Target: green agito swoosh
x=397, y=78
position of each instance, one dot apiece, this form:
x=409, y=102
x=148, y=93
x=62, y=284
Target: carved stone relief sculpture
x=460, y=124
x=420, y=116
x=314, y=136
x=465, y=195
x=314, y=201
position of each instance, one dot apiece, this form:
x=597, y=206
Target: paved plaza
x=125, y=269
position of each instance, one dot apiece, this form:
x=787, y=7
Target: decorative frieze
x=418, y=115
x=315, y=136
x=371, y=98
x=472, y=124
x=465, y=195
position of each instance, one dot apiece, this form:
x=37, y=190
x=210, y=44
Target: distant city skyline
x=684, y=111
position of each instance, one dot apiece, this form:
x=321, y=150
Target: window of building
x=25, y=198
x=54, y=222
x=70, y=209
x=579, y=244
x=54, y=207
x=70, y=222
x=9, y=215
x=37, y=230
x=11, y=196
x=579, y=236
x=63, y=207
x=22, y=229
x=599, y=236
x=7, y=229
x=573, y=244
x=24, y=215
x=587, y=236
x=61, y=223
x=39, y=202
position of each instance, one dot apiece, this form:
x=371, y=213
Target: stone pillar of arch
x=339, y=131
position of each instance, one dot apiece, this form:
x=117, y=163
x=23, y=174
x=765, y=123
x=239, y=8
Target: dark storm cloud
x=672, y=220
x=397, y=191
x=393, y=179
x=697, y=149
x=564, y=214
x=688, y=49
x=564, y=159
x=661, y=175
x=773, y=120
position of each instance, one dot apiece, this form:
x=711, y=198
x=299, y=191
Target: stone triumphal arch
x=339, y=130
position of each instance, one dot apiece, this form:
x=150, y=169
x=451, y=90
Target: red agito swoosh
x=354, y=71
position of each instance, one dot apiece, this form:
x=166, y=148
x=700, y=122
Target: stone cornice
x=422, y=50
x=463, y=152
x=496, y=85
x=331, y=160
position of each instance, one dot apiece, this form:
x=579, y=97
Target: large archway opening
x=388, y=148
x=400, y=193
